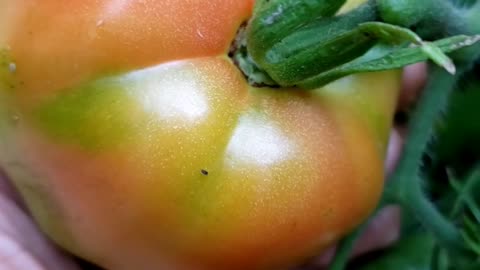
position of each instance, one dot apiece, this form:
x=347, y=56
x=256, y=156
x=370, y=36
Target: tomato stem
x=254, y=74
x=345, y=247
x=405, y=185
x=431, y=19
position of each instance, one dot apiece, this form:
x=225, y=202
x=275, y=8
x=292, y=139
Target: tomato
x=138, y=144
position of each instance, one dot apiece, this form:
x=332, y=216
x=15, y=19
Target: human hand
x=22, y=245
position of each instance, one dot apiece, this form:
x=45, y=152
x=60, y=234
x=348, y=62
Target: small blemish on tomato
x=12, y=67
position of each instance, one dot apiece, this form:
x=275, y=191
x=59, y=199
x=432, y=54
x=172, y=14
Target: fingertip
x=8, y=190
x=383, y=231
x=23, y=245
x=394, y=150
x=413, y=81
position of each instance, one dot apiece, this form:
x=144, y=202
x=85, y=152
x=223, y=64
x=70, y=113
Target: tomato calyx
x=292, y=43
x=254, y=74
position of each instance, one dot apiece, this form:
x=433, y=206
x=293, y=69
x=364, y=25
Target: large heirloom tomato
x=138, y=144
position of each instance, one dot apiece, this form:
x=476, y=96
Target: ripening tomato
x=138, y=144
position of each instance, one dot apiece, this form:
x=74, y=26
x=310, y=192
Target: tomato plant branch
x=465, y=193
x=431, y=19
x=405, y=187
x=344, y=248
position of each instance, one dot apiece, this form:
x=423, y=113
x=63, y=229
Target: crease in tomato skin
x=115, y=45
x=257, y=238
x=121, y=106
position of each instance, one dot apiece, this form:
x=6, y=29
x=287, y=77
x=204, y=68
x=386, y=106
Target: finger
x=8, y=191
x=394, y=151
x=382, y=232
x=23, y=246
x=413, y=81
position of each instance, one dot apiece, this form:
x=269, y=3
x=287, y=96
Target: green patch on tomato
x=94, y=115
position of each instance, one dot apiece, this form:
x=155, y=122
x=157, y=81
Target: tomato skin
x=137, y=143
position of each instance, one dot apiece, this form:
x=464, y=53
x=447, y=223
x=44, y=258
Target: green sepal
x=384, y=57
x=275, y=19
x=318, y=47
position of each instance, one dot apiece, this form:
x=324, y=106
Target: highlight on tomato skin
x=137, y=142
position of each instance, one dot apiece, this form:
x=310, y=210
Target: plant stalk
x=405, y=187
